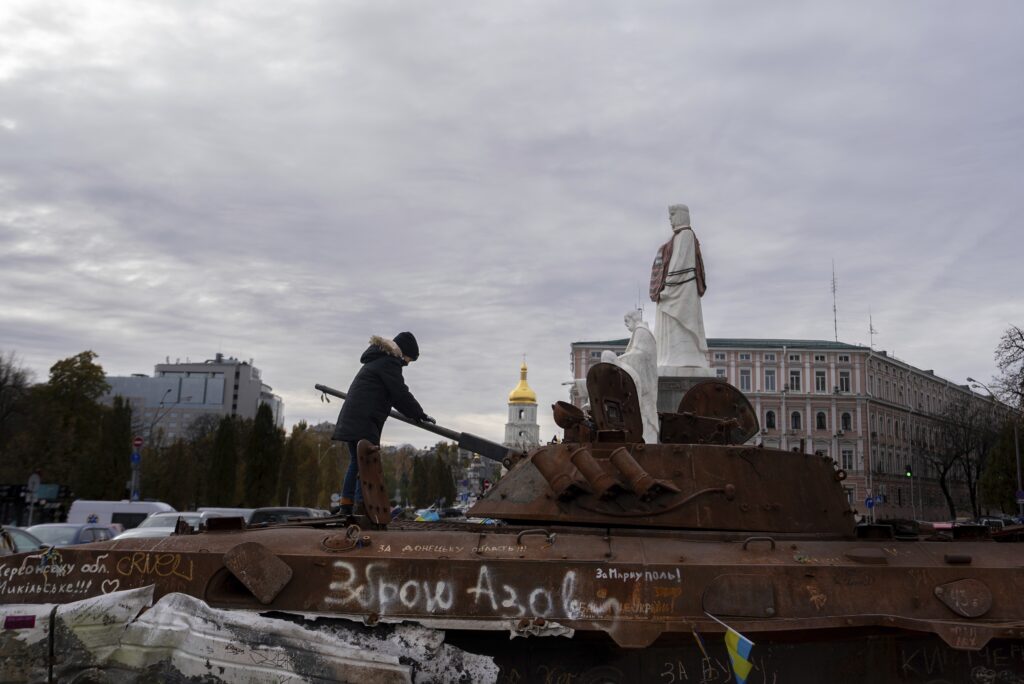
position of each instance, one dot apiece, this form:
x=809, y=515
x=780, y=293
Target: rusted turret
x=701, y=477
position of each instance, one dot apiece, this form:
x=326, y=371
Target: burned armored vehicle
x=614, y=561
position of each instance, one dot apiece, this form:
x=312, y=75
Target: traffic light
x=909, y=472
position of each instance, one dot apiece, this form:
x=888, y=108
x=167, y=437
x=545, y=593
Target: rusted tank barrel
x=605, y=486
x=638, y=479
x=552, y=465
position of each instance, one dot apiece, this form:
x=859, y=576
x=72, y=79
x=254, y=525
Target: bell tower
x=522, y=431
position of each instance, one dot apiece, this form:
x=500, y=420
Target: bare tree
x=1010, y=359
x=14, y=384
x=968, y=431
x=944, y=458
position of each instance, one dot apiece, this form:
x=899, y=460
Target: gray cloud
x=281, y=182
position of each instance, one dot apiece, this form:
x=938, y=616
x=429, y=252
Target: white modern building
x=164, y=405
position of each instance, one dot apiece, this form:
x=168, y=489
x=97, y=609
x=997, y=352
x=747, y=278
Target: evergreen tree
x=331, y=471
x=288, y=493
x=200, y=437
x=104, y=473
x=442, y=482
x=172, y=478
x=419, y=487
x=224, y=464
x=263, y=454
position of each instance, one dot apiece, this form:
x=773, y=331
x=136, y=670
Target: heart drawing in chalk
x=108, y=586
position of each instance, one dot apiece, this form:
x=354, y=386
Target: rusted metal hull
x=635, y=587
x=703, y=486
x=850, y=659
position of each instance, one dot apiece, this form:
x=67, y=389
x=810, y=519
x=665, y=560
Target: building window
x=794, y=380
x=769, y=357
x=820, y=422
x=847, y=458
x=794, y=357
x=769, y=420
x=844, y=358
x=595, y=354
x=522, y=414
x=819, y=381
x=719, y=356
x=794, y=420
x=744, y=356
x=745, y=379
x=844, y=381
x=819, y=358
x=846, y=421
x=720, y=373
x=769, y=379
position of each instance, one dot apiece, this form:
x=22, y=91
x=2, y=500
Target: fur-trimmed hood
x=386, y=345
x=381, y=347
x=375, y=390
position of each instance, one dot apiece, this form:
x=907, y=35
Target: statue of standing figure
x=677, y=284
x=640, y=360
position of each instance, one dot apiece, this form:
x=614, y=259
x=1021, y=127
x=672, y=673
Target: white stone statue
x=640, y=360
x=677, y=284
x=578, y=392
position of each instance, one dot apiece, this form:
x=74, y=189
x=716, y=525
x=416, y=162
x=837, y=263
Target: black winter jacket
x=377, y=387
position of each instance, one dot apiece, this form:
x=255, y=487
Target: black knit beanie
x=407, y=343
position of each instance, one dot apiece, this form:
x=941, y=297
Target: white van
x=126, y=513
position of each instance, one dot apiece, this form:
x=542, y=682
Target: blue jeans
x=351, y=489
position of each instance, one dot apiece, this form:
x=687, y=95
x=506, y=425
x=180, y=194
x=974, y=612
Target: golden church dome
x=522, y=394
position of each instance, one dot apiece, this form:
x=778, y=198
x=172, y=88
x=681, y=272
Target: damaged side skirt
x=125, y=635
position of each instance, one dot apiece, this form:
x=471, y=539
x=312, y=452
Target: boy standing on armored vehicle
x=376, y=388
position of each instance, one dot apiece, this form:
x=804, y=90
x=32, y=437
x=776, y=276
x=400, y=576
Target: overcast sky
x=278, y=181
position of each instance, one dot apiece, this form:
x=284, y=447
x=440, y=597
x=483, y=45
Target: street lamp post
x=1016, y=446
x=318, y=455
x=135, y=487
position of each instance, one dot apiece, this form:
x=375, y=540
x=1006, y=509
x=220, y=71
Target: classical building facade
x=165, y=404
x=871, y=413
x=522, y=430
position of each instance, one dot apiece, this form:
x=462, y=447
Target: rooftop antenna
x=871, y=329
x=835, y=316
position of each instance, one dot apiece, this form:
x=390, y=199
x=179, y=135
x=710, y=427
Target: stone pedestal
x=674, y=381
x=672, y=389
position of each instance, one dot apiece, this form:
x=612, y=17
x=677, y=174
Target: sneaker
x=345, y=509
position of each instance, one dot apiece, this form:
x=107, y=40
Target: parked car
x=15, y=540
x=128, y=514
x=991, y=522
x=268, y=515
x=162, y=524
x=66, y=534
